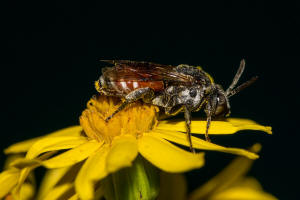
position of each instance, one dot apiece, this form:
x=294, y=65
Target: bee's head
x=222, y=106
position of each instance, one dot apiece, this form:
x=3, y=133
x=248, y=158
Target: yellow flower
x=100, y=148
x=230, y=184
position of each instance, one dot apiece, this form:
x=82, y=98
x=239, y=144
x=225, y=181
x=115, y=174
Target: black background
x=51, y=53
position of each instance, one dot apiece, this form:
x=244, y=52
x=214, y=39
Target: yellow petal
x=228, y=126
x=167, y=156
x=69, y=131
x=226, y=178
x=28, y=165
x=74, y=197
x=246, y=124
x=245, y=189
x=242, y=193
x=16, y=177
x=25, y=145
x=122, y=153
x=27, y=191
x=21, y=147
x=98, y=194
x=172, y=186
x=181, y=138
x=8, y=180
x=11, y=159
x=54, y=143
x=24, y=162
x=73, y=156
x=56, y=177
x=50, y=179
x=24, y=190
x=60, y=191
x=92, y=171
x=24, y=173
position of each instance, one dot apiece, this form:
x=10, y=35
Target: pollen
x=98, y=87
x=136, y=119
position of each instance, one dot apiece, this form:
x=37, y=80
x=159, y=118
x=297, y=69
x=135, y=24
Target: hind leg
x=142, y=93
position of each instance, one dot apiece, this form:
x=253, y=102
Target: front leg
x=187, y=116
x=141, y=93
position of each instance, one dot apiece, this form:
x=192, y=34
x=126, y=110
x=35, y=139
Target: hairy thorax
x=180, y=95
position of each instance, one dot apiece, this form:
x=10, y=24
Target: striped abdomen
x=127, y=86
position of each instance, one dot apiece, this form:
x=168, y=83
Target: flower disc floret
x=134, y=120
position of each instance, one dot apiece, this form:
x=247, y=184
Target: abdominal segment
x=129, y=86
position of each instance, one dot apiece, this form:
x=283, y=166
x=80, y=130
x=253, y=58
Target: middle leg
x=141, y=93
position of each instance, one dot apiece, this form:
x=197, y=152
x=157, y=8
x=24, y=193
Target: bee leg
x=187, y=116
x=172, y=111
x=121, y=107
x=210, y=109
x=141, y=93
x=208, y=120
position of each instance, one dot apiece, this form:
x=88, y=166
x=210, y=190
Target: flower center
x=135, y=119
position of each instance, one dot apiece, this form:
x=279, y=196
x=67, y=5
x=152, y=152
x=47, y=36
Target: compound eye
x=219, y=110
x=222, y=110
x=221, y=100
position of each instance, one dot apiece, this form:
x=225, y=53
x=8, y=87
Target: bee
x=181, y=88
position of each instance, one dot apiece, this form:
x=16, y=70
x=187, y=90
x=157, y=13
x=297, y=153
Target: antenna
x=236, y=77
x=231, y=91
x=241, y=87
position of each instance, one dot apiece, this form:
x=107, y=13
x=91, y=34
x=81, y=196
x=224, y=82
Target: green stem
x=140, y=181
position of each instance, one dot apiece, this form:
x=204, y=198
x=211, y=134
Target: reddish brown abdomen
x=129, y=86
